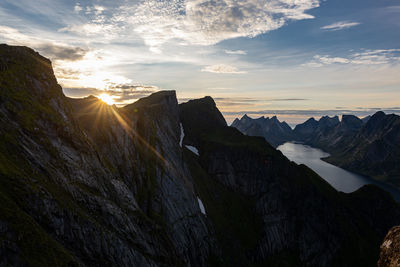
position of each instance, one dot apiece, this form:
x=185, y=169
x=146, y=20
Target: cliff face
x=86, y=184
x=92, y=184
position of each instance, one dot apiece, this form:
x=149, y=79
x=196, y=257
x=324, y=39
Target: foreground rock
x=390, y=249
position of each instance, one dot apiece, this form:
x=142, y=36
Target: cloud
x=368, y=57
x=48, y=48
x=58, y=52
x=77, y=8
x=222, y=68
x=235, y=52
x=341, y=25
x=207, y=22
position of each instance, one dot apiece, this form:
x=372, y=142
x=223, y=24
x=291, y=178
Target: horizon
x=295, y=60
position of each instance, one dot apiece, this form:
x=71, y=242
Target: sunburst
x=106, y=98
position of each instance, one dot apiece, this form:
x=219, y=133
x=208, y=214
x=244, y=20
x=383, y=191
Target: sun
x=106, y=98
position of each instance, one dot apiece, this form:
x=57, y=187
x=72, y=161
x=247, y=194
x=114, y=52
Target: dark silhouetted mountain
x=365, y=119
x=86, y=184
x=327, y=132
x=374, y=150
x=264, y=207
x=274, y=131
x=202, y=116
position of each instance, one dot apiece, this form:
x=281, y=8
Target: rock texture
x=274, y=131
x=390, y=249
x=92, y=184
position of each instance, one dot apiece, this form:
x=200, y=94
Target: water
x=339, y=178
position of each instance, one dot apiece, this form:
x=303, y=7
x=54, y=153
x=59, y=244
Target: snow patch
x=193, y=149
x=182, y=135
x=202, y=209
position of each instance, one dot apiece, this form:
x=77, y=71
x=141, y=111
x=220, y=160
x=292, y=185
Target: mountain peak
x=199, y=116
x=245, y=117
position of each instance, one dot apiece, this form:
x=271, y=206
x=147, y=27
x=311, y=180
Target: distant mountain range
x=369, y=146
x=274, y=131
x=159, y=184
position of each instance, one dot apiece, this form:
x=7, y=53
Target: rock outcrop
x=390, y=249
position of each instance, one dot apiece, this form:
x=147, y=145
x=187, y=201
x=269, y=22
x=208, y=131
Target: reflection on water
x=340, y=179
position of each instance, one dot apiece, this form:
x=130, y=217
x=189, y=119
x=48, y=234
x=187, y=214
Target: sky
x=291, y=58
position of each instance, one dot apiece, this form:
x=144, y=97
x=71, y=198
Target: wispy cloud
x=367, y=57
x=235, y=52
x=222, y=68
x=341, y=25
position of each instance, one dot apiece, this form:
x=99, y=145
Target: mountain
x=369, y=146
x=274, y=131
x=269, y=211
x=83, y=183
x=327, y=132
x=374, y=150
x=87, y=184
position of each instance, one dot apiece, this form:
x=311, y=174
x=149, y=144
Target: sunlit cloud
x=222, y=68
x=235, y=52
x=341, y=25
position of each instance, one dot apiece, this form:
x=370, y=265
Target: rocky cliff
x=83, y=183
x=157, y=184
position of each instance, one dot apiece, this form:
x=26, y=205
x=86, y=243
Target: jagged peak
x=245, y=117
x=274, y=118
